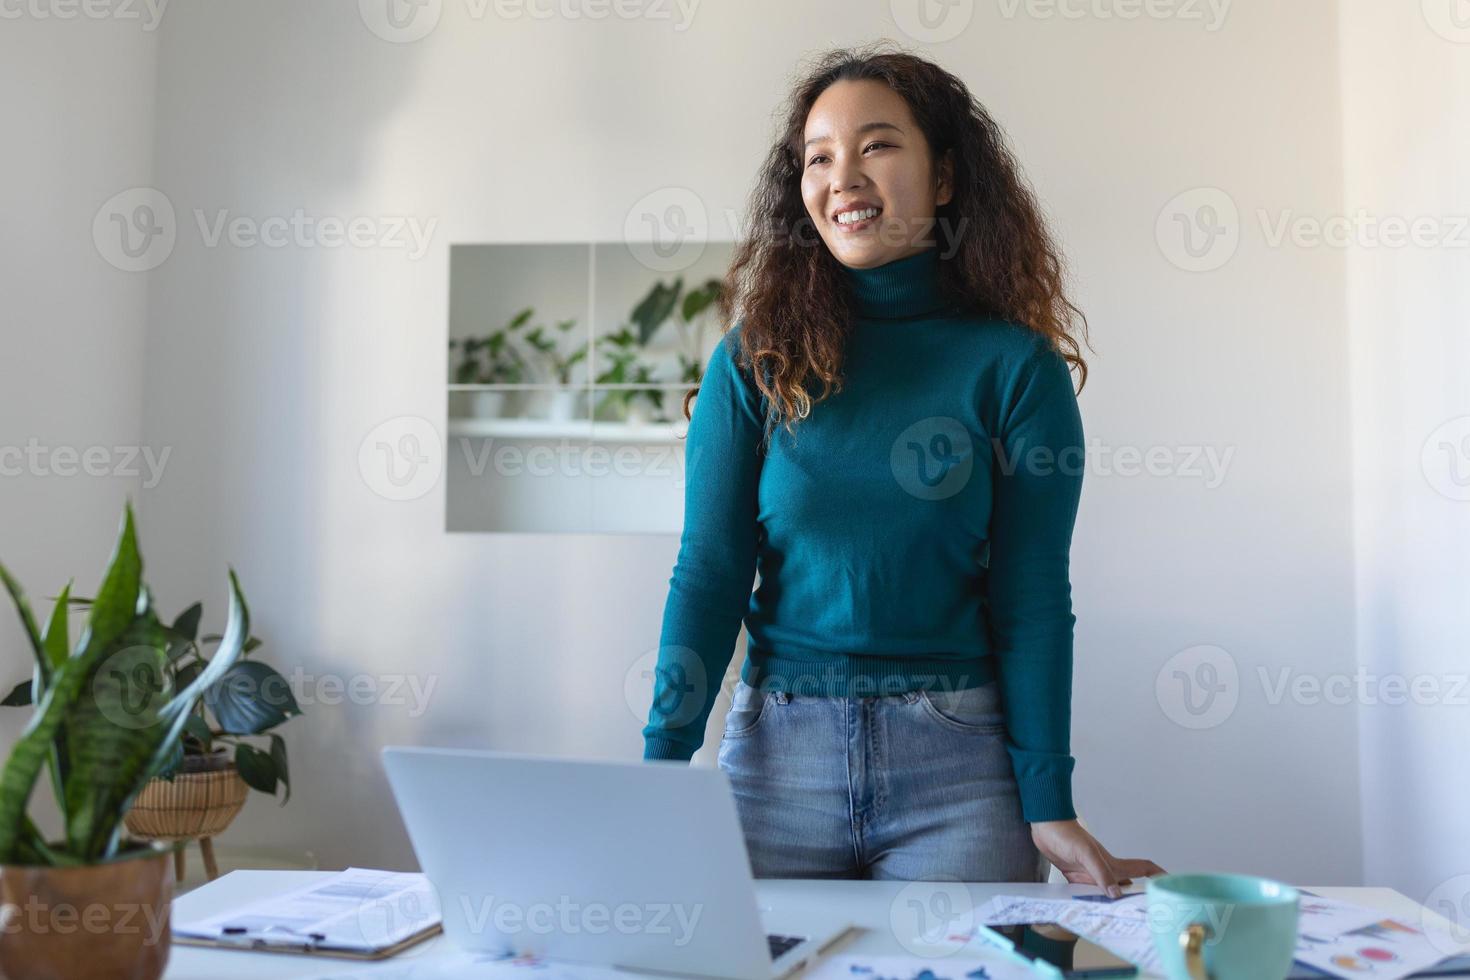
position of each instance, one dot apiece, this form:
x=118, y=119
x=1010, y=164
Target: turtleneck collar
x=898, y=290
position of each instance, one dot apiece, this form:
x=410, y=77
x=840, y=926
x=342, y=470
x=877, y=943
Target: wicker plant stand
x=196, y=805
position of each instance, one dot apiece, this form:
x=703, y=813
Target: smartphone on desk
x=1070, y=954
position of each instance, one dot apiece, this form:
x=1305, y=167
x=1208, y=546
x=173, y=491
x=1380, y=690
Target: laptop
x=633, y=864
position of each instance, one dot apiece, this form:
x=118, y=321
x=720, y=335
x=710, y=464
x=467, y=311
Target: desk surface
x=870, y=905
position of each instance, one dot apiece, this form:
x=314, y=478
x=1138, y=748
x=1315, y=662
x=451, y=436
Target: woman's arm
x=1038, y=464
x=709, y=592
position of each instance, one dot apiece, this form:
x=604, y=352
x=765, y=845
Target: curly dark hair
x=791, y=298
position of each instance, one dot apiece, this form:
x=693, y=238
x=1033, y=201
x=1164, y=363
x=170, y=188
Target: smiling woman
x=904, y=707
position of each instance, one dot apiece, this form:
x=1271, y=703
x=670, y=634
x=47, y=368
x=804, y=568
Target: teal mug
x=1222, y=926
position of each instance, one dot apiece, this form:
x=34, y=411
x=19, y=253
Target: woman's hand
x=1079, y=856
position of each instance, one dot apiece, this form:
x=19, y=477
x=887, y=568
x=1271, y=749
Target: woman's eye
x=865, y=149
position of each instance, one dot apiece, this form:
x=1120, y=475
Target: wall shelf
x=581, y=429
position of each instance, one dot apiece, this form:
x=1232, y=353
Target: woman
x=903, y=710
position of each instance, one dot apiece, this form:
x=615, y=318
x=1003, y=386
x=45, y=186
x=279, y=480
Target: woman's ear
x=944, y=193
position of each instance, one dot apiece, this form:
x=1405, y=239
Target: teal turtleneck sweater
x=914, y=532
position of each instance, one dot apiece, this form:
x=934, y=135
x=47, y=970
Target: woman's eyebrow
x=864, y=128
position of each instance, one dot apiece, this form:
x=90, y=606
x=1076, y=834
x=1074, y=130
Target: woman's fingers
x=1097, y=867
x=1136, y=868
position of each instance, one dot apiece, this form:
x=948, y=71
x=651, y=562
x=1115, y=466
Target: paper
x=1127, y=935
x=1385, y=950
x=1328, y=917
x=1013, y=910
x=856, y=967
x=358, y=909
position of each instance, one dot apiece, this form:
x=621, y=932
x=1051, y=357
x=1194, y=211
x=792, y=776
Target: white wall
x=1406, y=111
x=77, y=125
x=267, y=367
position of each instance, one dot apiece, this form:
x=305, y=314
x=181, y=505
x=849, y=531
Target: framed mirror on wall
x=567, y=369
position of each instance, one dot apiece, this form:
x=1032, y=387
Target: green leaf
x=116, y=603
x=176, y=713
x=55, y=640
x=28, y=622
x=118, y=599
x=19, y=695
x=111, y=730
x=250, y=698
x=187, y=623
x=654, y=309
x=256, y=768
x=698, y=300
x=283, y=771
x=199, y=728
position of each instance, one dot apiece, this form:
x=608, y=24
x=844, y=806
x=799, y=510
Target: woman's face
x=863, y=150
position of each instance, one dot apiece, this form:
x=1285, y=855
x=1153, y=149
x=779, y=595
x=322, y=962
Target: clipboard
x=310, y=947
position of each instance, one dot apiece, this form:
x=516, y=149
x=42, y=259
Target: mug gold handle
x=1192, y=945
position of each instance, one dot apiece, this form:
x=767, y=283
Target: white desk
x=868, y=904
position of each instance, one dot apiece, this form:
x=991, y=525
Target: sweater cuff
x=1044, y=780
x=663, y=748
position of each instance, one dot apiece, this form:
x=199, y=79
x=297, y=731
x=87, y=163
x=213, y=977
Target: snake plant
x=107, y=715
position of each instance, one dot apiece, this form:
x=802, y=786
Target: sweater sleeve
x=709, y=591
x=1038, y=463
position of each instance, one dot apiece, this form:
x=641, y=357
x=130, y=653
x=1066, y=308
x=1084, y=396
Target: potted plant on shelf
x=692, y=307
x=636, y=405
x=491, y=359
x=106, y=720
x=562, y=403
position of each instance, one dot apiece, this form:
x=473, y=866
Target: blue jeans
x=914, y=786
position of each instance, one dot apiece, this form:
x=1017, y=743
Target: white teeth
x=848, y=217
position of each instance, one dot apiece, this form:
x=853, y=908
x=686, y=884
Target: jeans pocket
x=969, y=709
x=747, y=708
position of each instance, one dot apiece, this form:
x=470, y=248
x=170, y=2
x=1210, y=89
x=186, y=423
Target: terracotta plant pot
x=88, y=923
x=198, y=803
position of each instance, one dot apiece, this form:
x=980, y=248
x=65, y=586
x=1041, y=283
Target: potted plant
x=106, y=719
x=491, y=359
x=692, y=307
x=562, y=403
x=637, y=405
